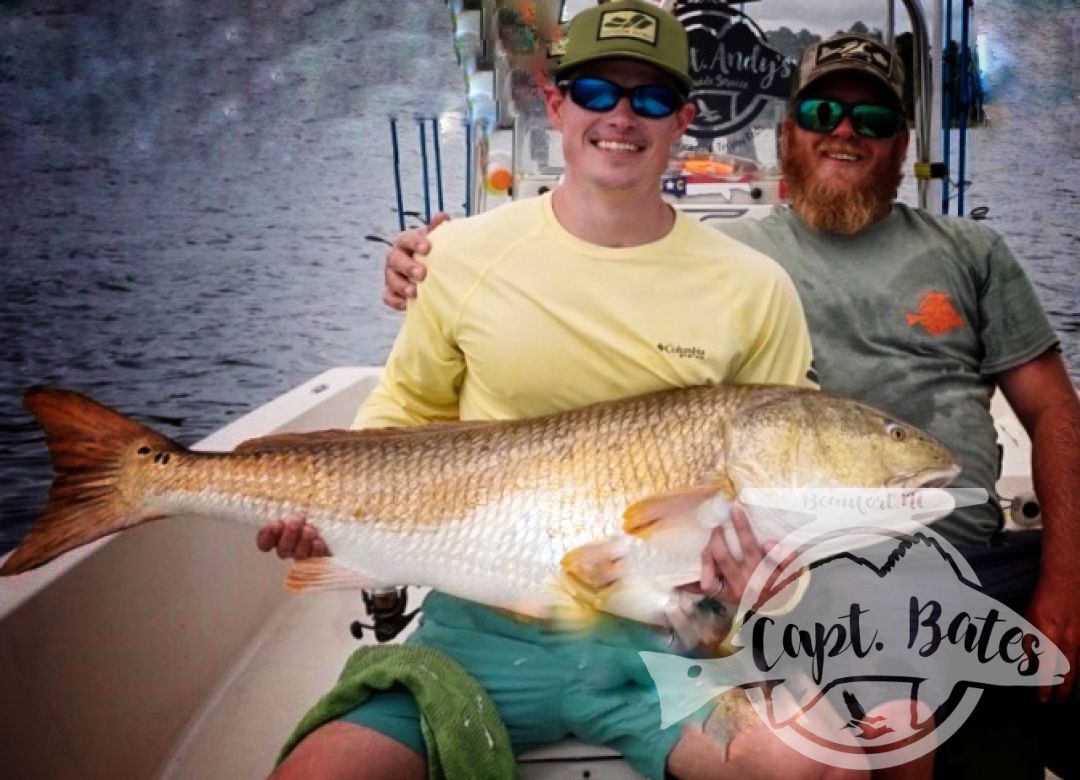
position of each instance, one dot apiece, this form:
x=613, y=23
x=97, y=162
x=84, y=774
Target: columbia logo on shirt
x=695, y=353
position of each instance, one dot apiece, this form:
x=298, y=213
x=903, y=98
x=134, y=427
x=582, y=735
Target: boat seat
x=570, y=758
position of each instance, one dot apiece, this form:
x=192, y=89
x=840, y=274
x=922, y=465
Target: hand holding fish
x=726, y=573
x=292, y=537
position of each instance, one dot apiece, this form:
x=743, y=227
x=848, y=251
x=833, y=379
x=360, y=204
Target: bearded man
x=924, y=317
x=619, y=102
x=918, y=315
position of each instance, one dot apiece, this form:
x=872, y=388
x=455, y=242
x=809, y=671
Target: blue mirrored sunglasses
x=870, y=120
x=652, y=101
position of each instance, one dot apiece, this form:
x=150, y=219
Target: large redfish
x=508, y=513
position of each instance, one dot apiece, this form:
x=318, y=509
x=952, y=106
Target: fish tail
x=90, y=445
x=913, y=319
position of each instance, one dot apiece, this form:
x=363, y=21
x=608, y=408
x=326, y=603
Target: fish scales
x=493, y=511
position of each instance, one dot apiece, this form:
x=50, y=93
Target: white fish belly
x=505, y=554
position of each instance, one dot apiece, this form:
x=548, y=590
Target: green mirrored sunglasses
x=870, y=120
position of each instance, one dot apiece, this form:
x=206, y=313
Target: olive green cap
x=628, y=29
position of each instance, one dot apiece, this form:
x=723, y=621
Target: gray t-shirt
x=913, y=315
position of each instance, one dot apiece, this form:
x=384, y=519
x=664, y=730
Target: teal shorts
x=547, y=685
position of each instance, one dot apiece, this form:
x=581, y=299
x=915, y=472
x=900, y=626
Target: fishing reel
x=386, y=607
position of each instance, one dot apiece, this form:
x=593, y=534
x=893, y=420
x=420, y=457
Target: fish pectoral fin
x=315, y=574
x=596, y=565
x=673, y=510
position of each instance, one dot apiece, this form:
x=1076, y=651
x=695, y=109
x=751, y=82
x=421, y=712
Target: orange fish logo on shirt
x=936, y=314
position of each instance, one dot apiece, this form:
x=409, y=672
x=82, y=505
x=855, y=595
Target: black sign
x=734, y=70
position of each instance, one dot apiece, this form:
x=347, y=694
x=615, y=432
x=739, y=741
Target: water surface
x=187, y=189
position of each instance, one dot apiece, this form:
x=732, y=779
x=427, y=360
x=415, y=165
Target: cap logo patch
x=866, y=51
x=628, y=24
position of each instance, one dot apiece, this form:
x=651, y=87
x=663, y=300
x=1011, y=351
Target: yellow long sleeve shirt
x=519, y=318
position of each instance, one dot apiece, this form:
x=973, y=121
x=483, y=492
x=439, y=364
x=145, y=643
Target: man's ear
x=902, y=139
x=553, y=101
x=683, y=117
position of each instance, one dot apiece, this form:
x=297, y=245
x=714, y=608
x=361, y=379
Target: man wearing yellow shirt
x=507, y=329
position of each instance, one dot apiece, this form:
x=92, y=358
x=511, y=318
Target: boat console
x=726, y=166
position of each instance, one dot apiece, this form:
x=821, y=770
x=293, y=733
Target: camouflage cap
x=851, y=52
x=628, y=29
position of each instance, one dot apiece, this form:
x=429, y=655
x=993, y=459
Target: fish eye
x=896, y=431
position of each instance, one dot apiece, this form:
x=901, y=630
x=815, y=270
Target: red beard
x=833, y=205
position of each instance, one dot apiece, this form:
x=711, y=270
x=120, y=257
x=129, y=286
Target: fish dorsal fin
x=290, y=441
x=315, y=574
x=674, y=509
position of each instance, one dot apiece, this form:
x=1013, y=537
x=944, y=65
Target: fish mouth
x=935, y=477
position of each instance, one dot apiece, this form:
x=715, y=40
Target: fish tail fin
x=89, y=445
x=914, y=318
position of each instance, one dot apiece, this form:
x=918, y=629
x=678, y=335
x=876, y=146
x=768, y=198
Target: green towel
x=462, y=730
